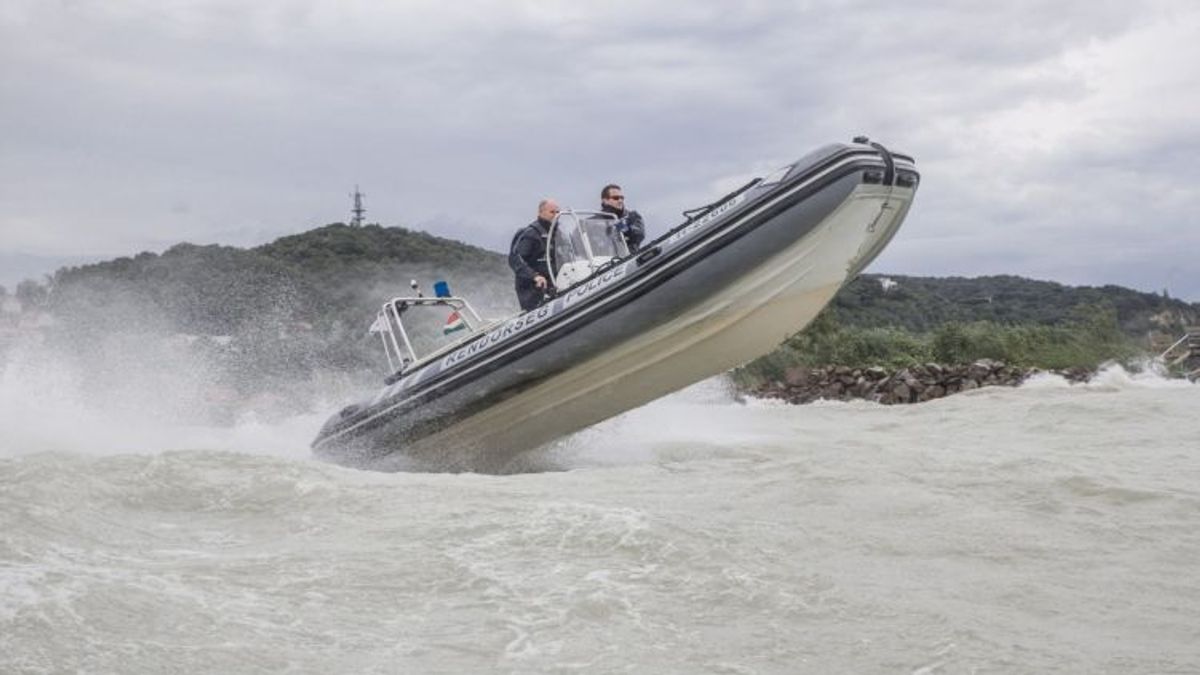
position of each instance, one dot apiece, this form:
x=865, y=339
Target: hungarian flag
x=453, y=322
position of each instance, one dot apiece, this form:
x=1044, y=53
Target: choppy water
x=1044, y=529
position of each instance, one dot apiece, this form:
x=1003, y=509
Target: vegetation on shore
x=1090, y=337
x=898, y=322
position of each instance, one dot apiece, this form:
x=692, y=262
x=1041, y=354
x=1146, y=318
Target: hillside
x=261, y=319
x=922, y=304
x=337, y=275
x=900, y=322
x=330, y=281
x=332, y=276
x=271, y=324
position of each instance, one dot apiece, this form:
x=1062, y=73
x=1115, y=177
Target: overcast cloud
x=1057, y=140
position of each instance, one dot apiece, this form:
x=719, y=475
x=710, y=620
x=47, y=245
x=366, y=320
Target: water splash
x=50, y=404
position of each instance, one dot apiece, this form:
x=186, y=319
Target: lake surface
x=1044, y=529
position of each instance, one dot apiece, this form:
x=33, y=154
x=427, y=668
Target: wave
x=1112, y=377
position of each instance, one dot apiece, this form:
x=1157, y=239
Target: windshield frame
x=591, y=239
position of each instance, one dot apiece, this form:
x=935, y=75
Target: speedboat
x=729, y=284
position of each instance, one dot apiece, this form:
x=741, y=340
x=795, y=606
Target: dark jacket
x=527, y=258
x=630, y=224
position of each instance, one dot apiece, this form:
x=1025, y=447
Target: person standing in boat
x=612, y=200
x=527, y=257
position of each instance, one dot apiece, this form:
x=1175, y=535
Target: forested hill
x=333, y=278
x=329, y=278
x=254, y=322
x=337, y=252
x=922, y=304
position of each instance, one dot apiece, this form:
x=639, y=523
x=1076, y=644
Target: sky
x=1056, y=140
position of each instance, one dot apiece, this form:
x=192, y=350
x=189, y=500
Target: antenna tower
x=358, y=209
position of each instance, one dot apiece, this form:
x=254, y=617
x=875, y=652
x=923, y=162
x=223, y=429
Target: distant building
x=888, y=284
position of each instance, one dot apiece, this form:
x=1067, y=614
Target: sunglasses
x=616, y=198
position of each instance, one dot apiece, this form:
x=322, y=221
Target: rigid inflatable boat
x=729, y=284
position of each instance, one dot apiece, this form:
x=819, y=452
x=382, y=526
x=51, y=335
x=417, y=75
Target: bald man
x=527, y=257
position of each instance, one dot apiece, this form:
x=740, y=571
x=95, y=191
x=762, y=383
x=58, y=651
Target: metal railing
x=1183, y=341
x=389, y=324
x=1182, y=349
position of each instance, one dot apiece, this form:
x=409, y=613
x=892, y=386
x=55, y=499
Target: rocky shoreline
x=907, y=385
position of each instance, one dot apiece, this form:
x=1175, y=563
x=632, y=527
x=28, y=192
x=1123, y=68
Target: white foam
x=45, y=407
x=703, y=420
x=1046, y=381
x=1114, y=376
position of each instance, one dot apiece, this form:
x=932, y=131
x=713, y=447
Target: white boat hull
x=742, y=322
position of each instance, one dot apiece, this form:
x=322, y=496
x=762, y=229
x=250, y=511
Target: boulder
x=906, y=385
x=796, y=376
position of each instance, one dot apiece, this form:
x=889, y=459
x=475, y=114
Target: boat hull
x=717, y=297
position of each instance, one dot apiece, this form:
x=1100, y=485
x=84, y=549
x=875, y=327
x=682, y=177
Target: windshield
x=568, y=244
x=581, y=242
x=603, y=237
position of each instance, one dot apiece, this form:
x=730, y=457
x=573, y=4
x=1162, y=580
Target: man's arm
x=635, y=231
x=524, y=247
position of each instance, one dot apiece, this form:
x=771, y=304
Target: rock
x=861, y=386
x=796, y=376
x=908, y=385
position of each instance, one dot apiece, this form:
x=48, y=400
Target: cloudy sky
x=1057, y=140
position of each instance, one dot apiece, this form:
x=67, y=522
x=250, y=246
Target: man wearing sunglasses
x=527, y=258
x=612, y=200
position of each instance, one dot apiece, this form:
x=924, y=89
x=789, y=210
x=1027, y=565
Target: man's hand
x=539, y=281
